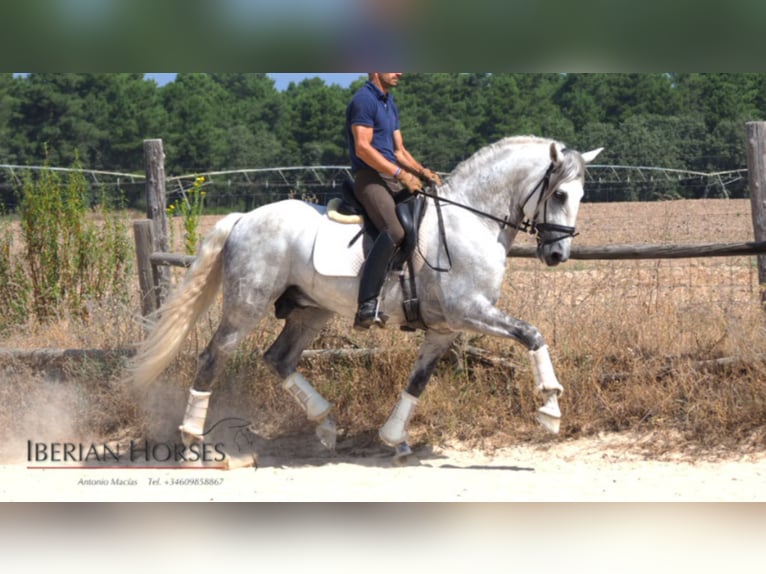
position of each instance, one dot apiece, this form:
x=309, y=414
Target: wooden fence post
x=154, y=164
x=756, y=175
x=142, y=231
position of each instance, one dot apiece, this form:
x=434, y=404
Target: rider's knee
x=396, y=232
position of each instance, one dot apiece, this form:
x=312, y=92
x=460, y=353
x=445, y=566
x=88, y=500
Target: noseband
x=542, y=231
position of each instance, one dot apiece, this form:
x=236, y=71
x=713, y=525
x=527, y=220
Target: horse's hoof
x=549, y=422
x=190, y=438
x=403, y=455
x=248, y=460
x=549, y=415
x=327, y=433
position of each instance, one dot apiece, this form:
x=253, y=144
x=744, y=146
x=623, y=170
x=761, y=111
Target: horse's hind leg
x=394, y=432
x=302, y=325
x=209, y=367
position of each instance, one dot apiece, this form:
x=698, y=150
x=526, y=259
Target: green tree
x=540, y=115
x=438, y=115
x=502, y=108
x=51, y=121
x=197, y=120
x=8, y=104
x=316, y=120
x=133, y=113
x=720, y=96
x=229, y=121
x=589, y=98
x=102, y=118
x=257, y=117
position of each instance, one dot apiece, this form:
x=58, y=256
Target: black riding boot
x=373, y=276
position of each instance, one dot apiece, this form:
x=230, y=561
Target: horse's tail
x=177, y=316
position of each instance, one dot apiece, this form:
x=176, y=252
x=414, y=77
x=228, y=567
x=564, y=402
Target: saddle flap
x=335, y=252
x=410, y=213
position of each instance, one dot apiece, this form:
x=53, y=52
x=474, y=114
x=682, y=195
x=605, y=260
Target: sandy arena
x=603, y=469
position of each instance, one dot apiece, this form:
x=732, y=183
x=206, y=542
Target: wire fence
x=724, y=287
x=246, y=189
x=728, y=281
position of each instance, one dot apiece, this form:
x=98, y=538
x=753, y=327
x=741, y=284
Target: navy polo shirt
x=372, y=108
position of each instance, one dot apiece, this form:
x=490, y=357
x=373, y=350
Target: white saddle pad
x=332, y=254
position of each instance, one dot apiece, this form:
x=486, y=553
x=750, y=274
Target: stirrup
x=368, y=315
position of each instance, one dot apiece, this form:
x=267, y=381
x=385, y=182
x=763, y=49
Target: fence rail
x=653, y=251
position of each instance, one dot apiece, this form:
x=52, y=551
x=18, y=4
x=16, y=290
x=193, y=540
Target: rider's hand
x=412, y=183
x=431, y=176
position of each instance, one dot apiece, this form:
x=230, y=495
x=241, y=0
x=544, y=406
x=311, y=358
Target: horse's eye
x=560, y=194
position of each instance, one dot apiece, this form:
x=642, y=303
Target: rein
x=526, y=226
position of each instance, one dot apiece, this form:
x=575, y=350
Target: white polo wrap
x=542, y=369
x=314, y=404
x=196, y=413
x=394, y=432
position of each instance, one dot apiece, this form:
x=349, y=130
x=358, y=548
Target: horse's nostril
x=554, y=258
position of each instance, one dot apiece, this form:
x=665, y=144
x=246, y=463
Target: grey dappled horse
x=266, y=254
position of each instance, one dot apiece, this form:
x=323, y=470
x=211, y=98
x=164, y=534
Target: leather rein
x=526, y=226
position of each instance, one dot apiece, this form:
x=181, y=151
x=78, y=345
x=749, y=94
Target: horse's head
x=553, y=210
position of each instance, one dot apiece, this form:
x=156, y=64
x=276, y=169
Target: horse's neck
x=496, y=188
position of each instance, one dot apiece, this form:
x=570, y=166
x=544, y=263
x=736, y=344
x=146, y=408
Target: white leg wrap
x=542, y=368
x=308, y=398
x=196, y=413
x=394, y=432
x=549, y=415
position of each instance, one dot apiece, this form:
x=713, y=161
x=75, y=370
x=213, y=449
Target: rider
x=384, y=171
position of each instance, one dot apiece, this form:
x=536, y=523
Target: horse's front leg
x=394, y=432
x=487, y=319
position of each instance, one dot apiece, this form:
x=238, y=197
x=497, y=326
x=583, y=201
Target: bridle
x=541, y=231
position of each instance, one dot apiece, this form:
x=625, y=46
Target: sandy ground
x=605, y=469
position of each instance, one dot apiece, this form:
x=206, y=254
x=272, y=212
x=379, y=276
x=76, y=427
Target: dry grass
x=635, y=345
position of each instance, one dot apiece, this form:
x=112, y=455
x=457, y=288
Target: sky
x=281, y=81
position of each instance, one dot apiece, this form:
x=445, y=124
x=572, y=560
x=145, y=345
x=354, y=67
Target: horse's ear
x=589, y=156
x=556, y=152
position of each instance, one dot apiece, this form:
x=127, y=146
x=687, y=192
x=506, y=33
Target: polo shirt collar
x=378, y=92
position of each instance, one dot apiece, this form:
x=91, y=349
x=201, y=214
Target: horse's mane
x=486, y=154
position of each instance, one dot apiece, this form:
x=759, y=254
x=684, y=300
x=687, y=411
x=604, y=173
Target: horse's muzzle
x=553, y=253
x=552, y=248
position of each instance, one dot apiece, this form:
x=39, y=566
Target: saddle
x=410, y=210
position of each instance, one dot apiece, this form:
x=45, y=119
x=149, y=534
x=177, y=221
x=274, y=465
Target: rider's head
x=384, y=80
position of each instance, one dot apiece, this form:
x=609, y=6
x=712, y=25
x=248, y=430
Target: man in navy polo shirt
x=384, y=171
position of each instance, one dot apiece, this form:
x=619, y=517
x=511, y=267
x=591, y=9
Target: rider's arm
x=367, y=153
x=373, y=158
x=404, y=157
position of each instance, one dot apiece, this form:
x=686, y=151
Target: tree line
x=684, y=121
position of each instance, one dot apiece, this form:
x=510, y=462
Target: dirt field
x=606, y=467
x=600, y=469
